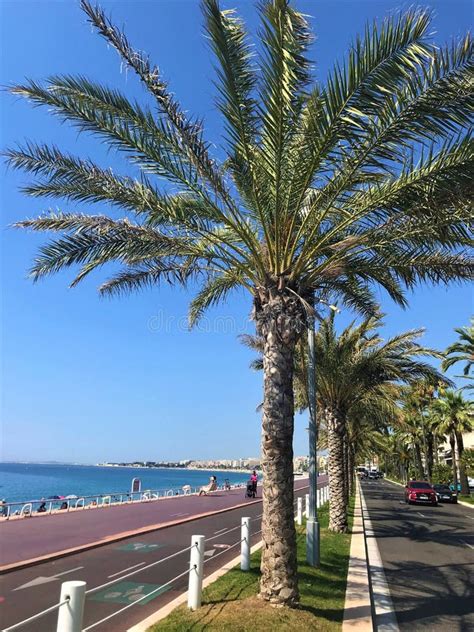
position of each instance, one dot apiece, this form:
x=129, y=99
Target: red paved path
x=40, y=536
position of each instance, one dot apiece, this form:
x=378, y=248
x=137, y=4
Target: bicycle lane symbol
x=129, y=592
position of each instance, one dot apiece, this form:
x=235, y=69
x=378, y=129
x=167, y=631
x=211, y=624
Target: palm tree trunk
x=345, y=468
x=337, y=505
x=429, y=455
x=452, y=442
x=419, y=461
x=462, y=471
x=277, y=326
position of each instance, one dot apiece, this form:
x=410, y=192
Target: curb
x=8, y=568
x=383, y=612
x=357, y=605
x=164, y=611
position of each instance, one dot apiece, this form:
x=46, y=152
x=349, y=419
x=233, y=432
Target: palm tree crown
x=324, y=188
x=462, y=350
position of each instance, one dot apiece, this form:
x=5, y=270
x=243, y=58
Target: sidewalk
x=357, y=608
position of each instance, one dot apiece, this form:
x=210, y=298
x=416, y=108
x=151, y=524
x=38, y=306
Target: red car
x=420, y=492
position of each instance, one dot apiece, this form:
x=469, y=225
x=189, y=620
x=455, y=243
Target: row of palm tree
x=326, y=191
x=422, y=431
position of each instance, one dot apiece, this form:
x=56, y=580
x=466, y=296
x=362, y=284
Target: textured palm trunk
x=276, y=325
x=337, y=505
x=462, y=471
x=346, y=469
x=419, y=461
x=429, y=455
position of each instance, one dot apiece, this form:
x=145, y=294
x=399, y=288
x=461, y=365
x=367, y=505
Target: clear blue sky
x=86, y=379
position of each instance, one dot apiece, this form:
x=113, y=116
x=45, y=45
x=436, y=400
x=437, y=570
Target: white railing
x=73, y=593
x=23, y=509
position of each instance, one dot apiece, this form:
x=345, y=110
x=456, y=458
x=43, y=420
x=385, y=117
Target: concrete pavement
x=428, y=557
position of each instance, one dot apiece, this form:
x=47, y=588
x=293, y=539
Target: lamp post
x=312, y=524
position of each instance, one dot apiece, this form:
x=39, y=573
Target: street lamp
x=312, y=523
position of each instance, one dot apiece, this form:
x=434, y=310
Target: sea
x=33, y=481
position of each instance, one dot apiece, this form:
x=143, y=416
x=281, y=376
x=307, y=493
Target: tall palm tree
x=325, y=189
x=457, y=414
x=462, y=351
x=357, y=375
x=418, y=401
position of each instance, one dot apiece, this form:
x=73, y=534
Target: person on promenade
x=254, y=480
x=3, y=507
x=42, y=508
x=210, y=487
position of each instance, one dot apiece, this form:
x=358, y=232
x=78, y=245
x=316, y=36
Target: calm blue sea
x=25, y=481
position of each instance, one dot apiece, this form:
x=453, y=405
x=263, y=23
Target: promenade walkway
x=43, y=537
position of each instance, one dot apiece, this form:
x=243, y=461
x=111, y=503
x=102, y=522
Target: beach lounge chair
x=210, y=487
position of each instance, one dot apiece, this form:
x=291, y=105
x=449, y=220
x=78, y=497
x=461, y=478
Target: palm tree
x=358, y=376
x=324, y=190
x=457, y=414
x=462, y=351
x=418, y=402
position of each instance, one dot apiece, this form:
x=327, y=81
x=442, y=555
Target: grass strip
x=467, y=499
x=231, y=602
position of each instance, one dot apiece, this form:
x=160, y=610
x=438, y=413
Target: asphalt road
x=25, y=592
x=428, y=557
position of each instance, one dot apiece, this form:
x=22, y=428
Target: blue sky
x=86, y=379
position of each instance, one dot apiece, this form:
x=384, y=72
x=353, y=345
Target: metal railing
x=73, y=593
x=95, y=501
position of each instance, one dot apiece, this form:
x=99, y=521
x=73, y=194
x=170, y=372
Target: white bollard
x=299, y=512
x=71, y=613
x=327, y=493
x=195, y=572
x=306, y=505
x=245, y=545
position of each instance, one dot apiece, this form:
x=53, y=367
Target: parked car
x=420, y=492
x=445, y=494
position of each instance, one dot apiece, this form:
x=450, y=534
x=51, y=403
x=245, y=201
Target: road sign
x=129, y=592
x=139, y=547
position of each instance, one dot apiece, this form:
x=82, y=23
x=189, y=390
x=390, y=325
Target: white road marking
x=209, y=553
x=37, y=581
x=420, y=514
x=125, y=569
x=467, y=544
x=222, y=546
x=385, y=618
x=466, y=516
x=71, y=571
x=220, y=530
x=178, y=515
